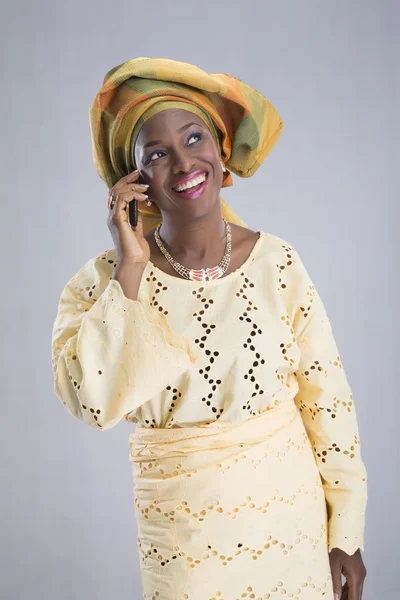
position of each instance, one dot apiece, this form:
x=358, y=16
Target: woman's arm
x=110, y=354
x=327, y=407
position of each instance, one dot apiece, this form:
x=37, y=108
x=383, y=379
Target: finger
x=121, y=199
x=122, y=182
x=123, y=187
x=132, y=195
x=117, y=204
x=131, y=176
x=139, y=186
x=336, y=572
x=112, y=202
x=355, y=589
x=118, y=211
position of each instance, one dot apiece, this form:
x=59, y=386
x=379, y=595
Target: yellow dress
x=246, y=456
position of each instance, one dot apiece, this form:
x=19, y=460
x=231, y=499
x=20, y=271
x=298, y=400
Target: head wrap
x=245, y=124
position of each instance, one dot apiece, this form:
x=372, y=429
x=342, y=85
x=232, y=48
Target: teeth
x=191, y=183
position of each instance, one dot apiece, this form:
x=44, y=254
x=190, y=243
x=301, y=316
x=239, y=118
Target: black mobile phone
x=133, y=213
x=133, y=210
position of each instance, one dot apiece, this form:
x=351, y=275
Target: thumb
x=337, y=584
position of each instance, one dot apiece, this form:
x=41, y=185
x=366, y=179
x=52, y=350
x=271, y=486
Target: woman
x=249, y=481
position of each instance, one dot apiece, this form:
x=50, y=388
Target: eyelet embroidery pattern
x=251, y=345
x=334, y=437
x=281, y=267
x=255, y=553
x=276, y=591
x=160, y=287
x=208, y=522
x=211, y=356
x=201, y=515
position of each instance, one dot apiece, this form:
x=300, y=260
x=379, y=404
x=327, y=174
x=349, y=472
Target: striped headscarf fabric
x=246, y=123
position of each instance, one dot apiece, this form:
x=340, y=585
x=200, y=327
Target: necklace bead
x=207, y=274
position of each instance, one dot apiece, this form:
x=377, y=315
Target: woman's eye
x=158, y=152
x=161, y=152
x=195, y=135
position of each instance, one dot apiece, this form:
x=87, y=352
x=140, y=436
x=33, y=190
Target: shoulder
x=93, y=276
x=276, y=248
x=275, y=251
x=272, y=247
x=280, y=256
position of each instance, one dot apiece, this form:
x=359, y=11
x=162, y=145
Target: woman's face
x=172, y=144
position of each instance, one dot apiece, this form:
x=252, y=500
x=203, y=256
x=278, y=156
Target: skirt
x=231, y=511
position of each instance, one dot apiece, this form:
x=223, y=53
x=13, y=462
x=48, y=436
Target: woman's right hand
x=129, y=242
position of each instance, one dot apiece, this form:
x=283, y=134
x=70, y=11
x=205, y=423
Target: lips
x=189, y=177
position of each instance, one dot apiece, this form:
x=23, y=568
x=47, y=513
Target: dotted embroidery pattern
x=325, y=402
x=94, y=412
x=269, y=450
x=85, y=297
x=281, y=267
x=351, y=452
x=262, y=338
x=307, y=589
x=194, y=518
x=336, y=407
x=311, y=295
x=159, y=288
x=255, y=553
x=209, y=365
x=250, y=344
x=248, y=503
x=211, y=355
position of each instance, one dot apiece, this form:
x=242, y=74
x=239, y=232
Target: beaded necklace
x=208, y=274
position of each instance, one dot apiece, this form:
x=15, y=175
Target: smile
x=193, y=191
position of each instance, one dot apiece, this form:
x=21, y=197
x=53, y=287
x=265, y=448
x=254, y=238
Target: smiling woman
x=191, y=149
x=249, y=481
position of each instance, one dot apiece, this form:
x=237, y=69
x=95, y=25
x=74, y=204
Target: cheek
x=156, y=179
x=148, y=175
x=211, y=155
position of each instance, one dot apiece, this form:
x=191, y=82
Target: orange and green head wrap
x=245, y=124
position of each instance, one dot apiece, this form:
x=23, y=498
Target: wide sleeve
x=325, y=401
x=111, y=354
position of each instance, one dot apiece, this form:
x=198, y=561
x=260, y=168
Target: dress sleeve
x=325, y=401
x=111, y=354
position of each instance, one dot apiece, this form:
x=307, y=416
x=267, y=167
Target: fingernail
x=336, y=596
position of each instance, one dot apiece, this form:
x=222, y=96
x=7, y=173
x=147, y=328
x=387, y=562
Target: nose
x=182, y=161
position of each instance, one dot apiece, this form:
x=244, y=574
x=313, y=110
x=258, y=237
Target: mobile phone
x=133, y=213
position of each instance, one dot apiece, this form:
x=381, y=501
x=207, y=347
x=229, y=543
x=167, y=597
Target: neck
x=195, y=242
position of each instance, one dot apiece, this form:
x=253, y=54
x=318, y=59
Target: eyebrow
x=180, y=130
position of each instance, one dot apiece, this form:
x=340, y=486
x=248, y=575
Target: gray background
x=328, y=187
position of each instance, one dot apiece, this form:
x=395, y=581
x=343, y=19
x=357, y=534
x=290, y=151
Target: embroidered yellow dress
x=246, y=455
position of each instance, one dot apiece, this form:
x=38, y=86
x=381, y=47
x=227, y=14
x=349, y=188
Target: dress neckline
x=189, y=282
